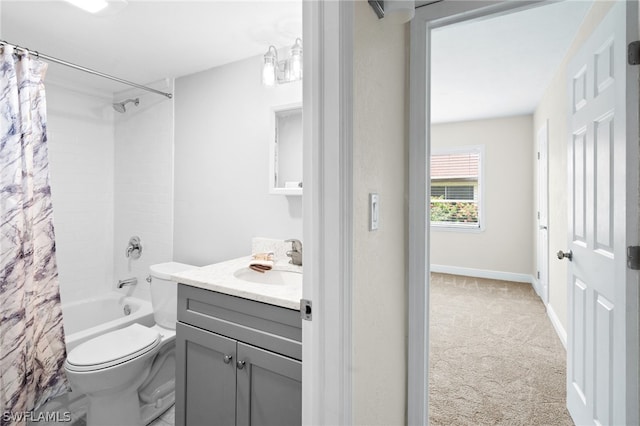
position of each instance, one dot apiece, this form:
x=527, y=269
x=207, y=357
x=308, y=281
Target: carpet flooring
x=495, y=358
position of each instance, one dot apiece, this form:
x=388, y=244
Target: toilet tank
x=164, y=292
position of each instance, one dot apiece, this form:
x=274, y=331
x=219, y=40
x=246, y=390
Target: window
x=450, y=192
x=455, y=188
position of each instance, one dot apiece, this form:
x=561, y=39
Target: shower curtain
x=32, y=350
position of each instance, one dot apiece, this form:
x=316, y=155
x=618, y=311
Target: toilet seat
x=113, y=348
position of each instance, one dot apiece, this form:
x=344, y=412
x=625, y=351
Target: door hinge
x=538, y=155
x=633, y=53
x=633, y=257
x=305, y=309
x=538, y=274
x=538, y=215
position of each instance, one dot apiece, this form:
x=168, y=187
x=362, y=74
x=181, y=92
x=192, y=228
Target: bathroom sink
x=272, y=277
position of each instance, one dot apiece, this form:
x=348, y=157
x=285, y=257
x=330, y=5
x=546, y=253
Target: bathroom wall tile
x=143, y=200
x=81, y=144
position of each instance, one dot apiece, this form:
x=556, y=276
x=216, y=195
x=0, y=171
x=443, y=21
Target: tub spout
x=127, y=281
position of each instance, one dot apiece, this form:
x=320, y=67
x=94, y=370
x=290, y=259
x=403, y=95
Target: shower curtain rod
x=85, y=69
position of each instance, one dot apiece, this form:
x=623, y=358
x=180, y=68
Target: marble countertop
x=220, y=277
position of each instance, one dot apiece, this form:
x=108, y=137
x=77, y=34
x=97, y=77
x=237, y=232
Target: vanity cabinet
x=238, y=361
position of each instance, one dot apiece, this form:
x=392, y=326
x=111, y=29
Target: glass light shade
x=296, y=61
x=399, y=11
x=91, y=6
x=268, y=75
x=269, y=67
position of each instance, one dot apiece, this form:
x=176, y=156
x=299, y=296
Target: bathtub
x=89, y=318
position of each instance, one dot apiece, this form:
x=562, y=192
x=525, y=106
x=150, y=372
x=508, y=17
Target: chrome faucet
x=127, y=281
x=134, y=248
x=296, y=252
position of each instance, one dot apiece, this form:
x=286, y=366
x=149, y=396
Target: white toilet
x=128, y=375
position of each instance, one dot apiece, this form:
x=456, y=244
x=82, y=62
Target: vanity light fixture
x=100, y=7
x=285, y=71
x=397, y=11
x=91, y=6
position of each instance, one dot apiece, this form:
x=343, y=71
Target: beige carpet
x=495, y=357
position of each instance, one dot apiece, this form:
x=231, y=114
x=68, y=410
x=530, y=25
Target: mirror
x=285, y=171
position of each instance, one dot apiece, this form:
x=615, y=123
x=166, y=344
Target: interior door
x=543, y=213
x=602, y=158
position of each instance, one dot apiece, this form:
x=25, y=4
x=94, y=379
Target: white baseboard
x=555, y=321
x=507, y=276
x=535, y=283
x=482, y=273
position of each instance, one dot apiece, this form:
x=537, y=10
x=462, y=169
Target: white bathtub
x=89, y=318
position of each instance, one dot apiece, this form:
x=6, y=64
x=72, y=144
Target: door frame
x=427, y=18
x=542, y=190
x=327, y=211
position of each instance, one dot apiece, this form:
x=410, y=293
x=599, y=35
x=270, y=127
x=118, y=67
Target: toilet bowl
x=128, y=375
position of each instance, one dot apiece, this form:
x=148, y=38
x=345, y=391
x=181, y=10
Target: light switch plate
x=374, y=211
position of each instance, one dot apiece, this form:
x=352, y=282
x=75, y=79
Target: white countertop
x=219, y=277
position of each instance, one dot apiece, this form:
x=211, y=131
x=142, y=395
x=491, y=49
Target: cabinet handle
x=228, y=358
x=240, y=365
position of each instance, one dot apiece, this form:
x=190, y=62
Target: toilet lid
x=113, y=348
x=165, y=270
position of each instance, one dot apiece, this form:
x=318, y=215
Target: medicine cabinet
x=285, y=171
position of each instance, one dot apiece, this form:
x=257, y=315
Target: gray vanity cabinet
x=238, y=362
x=209, y=395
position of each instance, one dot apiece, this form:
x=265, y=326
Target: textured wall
x=222, y=132
x=505, y=244
x=380, y=165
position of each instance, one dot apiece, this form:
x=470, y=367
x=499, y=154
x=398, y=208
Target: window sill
x=457, y=228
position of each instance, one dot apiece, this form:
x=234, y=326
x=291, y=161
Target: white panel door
x=602, y=334
x=543, y=213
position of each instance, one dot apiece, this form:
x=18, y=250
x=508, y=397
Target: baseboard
x=555, y=321
x=482, y=273
x=507, y=276
x=535, y=283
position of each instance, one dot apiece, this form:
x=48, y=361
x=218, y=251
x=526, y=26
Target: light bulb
x=296, y=61
x=268, y=74
x=399, y=11
x=269, y=67
x=91, y=6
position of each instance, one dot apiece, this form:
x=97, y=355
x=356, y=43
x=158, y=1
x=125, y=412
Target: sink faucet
x=296, y=252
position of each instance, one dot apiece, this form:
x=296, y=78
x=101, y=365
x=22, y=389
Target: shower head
x=120, y=106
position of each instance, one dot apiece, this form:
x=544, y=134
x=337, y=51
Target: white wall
x=505, y=244
x=143, y=204
x=380, y=164
x=81, y=148
x=222, y=131
x=553, y=107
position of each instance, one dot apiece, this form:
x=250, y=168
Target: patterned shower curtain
x=32, y=350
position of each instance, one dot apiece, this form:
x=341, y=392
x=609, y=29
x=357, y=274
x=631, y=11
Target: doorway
x=491, y=256
x=438, y=16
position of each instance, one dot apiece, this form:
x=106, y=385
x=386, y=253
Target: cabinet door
x=269, y=388
x=205, y=379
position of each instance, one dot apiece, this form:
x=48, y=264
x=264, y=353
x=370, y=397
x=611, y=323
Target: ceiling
x=149, y=40
x=500, y=66
x=484, y=68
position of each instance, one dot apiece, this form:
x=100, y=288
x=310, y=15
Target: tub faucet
x=296, y=252
x=127, y=281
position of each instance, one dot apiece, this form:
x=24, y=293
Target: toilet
x=128, y=375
